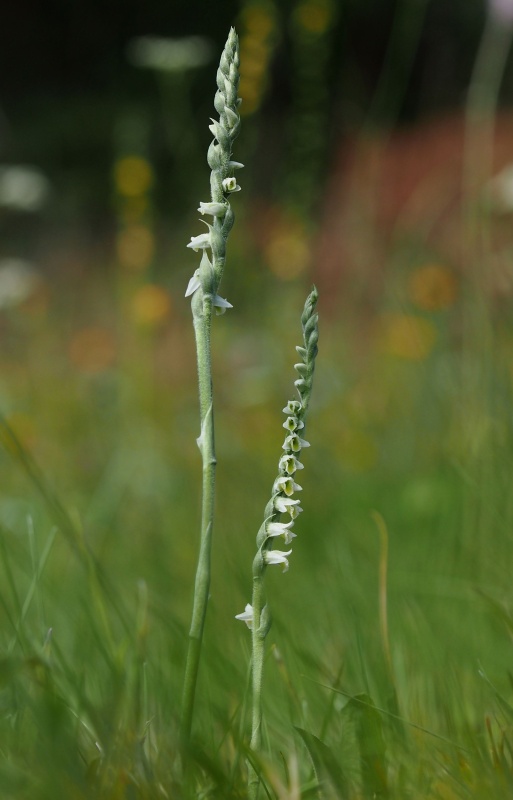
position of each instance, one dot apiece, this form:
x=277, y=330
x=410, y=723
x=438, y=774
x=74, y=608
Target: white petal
x=214, y=209
x=221, y=303
x=247, y=615
x=193, y=284
x=284, y=504
x=278, y=528
x=277, y=557
x=199, y=242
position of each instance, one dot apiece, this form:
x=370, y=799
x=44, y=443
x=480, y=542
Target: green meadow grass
x=99, y=515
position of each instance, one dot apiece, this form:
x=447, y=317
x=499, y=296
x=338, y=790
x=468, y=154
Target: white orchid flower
x=284, y=504
x=214, y=209
x=281, y=529
x=292, y=407
x=277, y=557
x=287, y=485
x=294, y=443
x=230, y=185
x=246, y=616
x=289, y=464
x=200, y=242
x=293, y=424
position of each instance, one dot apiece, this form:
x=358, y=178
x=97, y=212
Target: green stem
x=202, y=313
x=257, y=661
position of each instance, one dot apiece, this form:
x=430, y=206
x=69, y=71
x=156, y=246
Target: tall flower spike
x=222, y=182
x=203, y=289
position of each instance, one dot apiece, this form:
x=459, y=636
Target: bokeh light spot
x=315, y=16
x=407, y=336
x=135, y=247
x=92, y=350
x=133, y=176
x=433, y=287
x=151, y=305
x=288, y=252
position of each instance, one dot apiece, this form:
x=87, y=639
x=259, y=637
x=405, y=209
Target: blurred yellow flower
x=433, y=287
x=315, y=16
x=135, y=246
x=407, y=336
x=151, y=305
x=133, y=176
x=258, y=24
x=258, y=19
x=92, y=350
x=287, y=251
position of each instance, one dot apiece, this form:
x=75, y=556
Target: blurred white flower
x=502, y=10
x=170, y=55
x=23, y=188
x=499, y=191
x=18, y=280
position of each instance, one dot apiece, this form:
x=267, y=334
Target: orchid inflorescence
x=285, y=487
x=222, y=182
x=203, y=287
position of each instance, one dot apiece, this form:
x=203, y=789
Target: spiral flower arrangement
x=256, y=614
x=203, y=288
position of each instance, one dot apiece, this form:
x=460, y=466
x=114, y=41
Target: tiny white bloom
x=294, y=443
x=286, y=485
x=214, y=209
x=235, y=165
x=289, y=464
x=220, y=304
x=284, y=504
x=295, y=511
x=277, y=557
x=200, y=242
x=230, y=185
x=246, y=616
x=292, y=407
x=293, y=424
x=193, y=284
x=281, y=529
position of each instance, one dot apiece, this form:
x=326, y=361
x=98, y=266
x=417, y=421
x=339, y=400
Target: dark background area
x=65, y=80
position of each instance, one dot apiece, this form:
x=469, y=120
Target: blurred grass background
x=377, y=139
